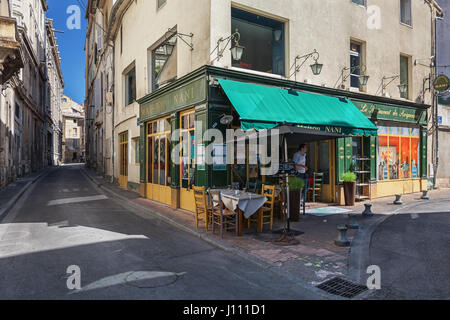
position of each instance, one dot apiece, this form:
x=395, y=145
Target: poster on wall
x=219, y=157
x=388, y=163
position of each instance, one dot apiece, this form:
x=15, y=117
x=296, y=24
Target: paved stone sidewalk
x=314, y=259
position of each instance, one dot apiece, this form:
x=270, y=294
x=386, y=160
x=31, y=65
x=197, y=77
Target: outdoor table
x=246, y=203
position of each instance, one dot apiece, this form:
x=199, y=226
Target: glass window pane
x=168, y=163
x=415, y=157
x=263, y=39
x=184, y=122
x=155, y=162
x=405, y=165
x=382, y=130
x=149, y=161
x=324, y=161
x=394, y=131
x=149, y=128
x=383, y=158
x=192, y=121
x=162, y=161
x=394, y=157
x=404, y=74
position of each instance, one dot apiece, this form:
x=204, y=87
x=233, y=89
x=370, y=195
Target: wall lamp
x=316, y=68
x=236, y=51
x=182, y=37
x=363, y=78
x=386, y=81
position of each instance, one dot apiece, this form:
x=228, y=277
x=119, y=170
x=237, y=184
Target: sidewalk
x=12, y=192
x=313, y=260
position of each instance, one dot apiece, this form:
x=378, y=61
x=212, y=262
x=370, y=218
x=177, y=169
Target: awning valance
x=262, y=107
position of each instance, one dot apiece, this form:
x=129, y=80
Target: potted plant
x=349, y=188
x=295, y=187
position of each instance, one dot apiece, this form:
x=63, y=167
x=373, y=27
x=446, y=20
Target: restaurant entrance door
x=187, y=159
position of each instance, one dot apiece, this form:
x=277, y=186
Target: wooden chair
x=251, y=187
x=316, y=189
x=222, y=217
x=202, y=211
x=267, y=209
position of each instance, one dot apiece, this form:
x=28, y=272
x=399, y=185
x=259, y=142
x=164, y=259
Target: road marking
x=75, y=200
x=414, y=216
x=65, y=190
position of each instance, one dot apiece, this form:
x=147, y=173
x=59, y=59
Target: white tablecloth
x=249, y=203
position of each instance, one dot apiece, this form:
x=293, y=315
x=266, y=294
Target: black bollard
x=398, y=199
x=425, y=195
x=342, y=240
x=368, y=211
x=352, y=223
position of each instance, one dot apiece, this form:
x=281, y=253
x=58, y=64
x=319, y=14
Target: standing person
x=300, y=164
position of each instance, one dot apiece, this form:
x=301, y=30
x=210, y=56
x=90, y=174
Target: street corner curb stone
x=8, y=205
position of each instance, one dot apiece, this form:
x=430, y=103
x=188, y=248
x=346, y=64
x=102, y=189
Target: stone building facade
x=31, y=119
x=156, y=45
x=73, y=119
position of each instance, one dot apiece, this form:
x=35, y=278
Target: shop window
x=263, y=39
x=187, y=141
x=130, y=86
x=398, y=153
x=158, y=143
x=164, y=63
x=355, y=64
x=405, y=12
x=136, y=151
x=404, y=75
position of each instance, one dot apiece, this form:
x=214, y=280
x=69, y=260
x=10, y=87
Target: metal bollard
x=425, y=195
x=398, y=199
x=368, y=210
x=342, y=240
x=352, y=224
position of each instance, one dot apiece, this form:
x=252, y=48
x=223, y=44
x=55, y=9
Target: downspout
x=112, y=114
x=435, y=98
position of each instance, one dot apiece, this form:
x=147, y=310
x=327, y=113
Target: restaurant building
x=170, y=61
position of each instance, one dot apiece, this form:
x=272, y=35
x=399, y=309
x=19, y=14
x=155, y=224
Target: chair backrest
x=269, y=192
x=200, y=199
x=251, y=187
x=215, y=195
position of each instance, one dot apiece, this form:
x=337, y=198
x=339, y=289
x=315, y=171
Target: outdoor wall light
x=403, y=88
x=386, y=81
x=226, y=119
x=363, y=78
x=236, y=51
x=316, y=68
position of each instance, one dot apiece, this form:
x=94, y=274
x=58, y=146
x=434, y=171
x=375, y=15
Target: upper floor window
x=405, y=12
x=360, y=2
x=263, y=39
x=130, y=86
x=161, y=3
x=355, y=64
x=404, y=75
x=164, y=63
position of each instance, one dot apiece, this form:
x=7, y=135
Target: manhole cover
x=342, y=288
x=151, y=279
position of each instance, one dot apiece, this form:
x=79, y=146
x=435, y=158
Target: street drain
x=151, y=279
x=343, y=288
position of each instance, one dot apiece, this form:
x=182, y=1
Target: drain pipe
x=112, y=114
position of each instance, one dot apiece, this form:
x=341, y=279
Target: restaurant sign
x=188, y=95
x=441, y=83
x=390, y=113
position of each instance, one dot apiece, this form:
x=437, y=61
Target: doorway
x=123, y=154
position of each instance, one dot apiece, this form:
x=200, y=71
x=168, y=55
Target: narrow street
x=64, y=220
x=412, y=252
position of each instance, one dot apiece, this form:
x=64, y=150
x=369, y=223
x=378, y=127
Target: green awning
x=262, y=107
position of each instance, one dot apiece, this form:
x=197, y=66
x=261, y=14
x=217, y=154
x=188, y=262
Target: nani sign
x=441, y=83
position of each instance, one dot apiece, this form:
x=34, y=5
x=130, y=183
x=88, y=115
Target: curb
x=205, y=237
x=8, y=206
x=360, y=248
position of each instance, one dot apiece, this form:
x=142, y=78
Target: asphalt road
x=412, y=251
x=64, y=220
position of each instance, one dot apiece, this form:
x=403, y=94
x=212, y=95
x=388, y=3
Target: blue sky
x=71, y=45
